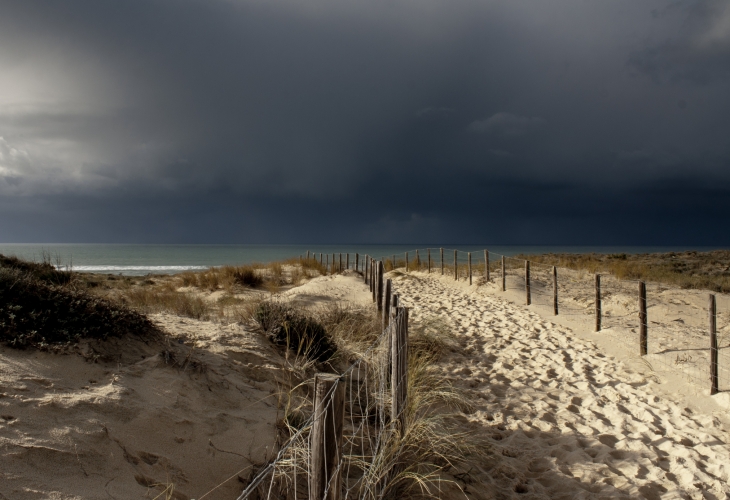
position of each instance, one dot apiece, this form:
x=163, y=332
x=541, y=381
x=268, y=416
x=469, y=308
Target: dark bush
x=43, y=271
x=247, y=276
x=36, y=313
x=300, y=333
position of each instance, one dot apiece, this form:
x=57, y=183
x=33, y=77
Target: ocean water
x=169, y=259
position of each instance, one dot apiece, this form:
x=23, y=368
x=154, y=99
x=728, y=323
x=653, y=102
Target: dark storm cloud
x=509, y=122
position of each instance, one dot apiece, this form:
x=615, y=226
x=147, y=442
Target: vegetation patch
x=36, y=312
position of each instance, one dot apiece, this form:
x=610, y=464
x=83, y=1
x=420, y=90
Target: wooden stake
x=429, y=260
x=486, y=265
x=386, y=305
x=406, y=261
x=357, y=262
x=328, y=264
x=469, y=259
x=365, y=274
x=598, y=302
x=442, y=261
x=320, y=259
x=714, y=379
x=504, y=280
x=399, y=368
x=325, y=477
x=340, y=265
x=379, y=296
x=528, y=295
x=374, y=276
x=456, y=263
x=418, y=261
x=307, y=254
x=555, y=290
x=347, y=261
x=643, y=333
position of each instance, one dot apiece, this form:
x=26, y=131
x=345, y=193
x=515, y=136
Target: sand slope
x=120, y=428
x=566, y=420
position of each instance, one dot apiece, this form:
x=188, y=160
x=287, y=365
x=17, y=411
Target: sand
x=568, y=413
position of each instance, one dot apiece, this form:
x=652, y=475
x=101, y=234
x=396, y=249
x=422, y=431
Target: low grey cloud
x=507, y=124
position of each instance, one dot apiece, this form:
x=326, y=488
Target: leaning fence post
x=325, y=477
x=399, y=368
x=528, y=295
x=379, y=297
x=442, y=261
x=504, y=280
x=598, y=303
x=456, y=273
x=386, y=303
x=469, y=259
x=555, y=290
x=643, y=333
x=713, y=346
x=486, y=265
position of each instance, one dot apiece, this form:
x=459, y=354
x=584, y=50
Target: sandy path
x=566, y=420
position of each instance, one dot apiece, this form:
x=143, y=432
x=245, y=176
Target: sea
x=143, y=259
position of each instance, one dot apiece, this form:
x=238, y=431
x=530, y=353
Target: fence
x=344, y=447
x=341, y=449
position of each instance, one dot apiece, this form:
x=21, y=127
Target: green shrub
x=36, y=313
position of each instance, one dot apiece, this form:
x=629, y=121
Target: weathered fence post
x=399, y=368
x=643, y=333
x=713, y=347
x=328, y=265
x=528, y=295
x=555, y=290
x=504, y=280
x=486, y=265
x=386, y=304
x=325, y=477
x=339, y=267
x=469, y=259
x=406, y=261
x=442, y=261
x=357, y=262
x=428, y=250
x=374, y=278
x=333, y=263
x=321, y=261
x=347, y=261
x=379, y=297
x=418, y=261
x=598, y=303
x=366, y=274
x=456, y=263
x=307, y=254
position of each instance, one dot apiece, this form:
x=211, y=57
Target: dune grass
x=689, y=270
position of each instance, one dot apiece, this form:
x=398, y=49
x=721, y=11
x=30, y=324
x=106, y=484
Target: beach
x=567, y=412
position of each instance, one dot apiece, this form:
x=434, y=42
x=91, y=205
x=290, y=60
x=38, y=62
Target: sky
x=565, y=122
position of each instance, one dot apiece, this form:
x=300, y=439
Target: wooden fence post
x=333, y=263
x=714, y=379
x=528, y=295
x=365, y=274
x=307, y=254
x=325, y=478
x=429, y=260
x=321, y=261
x=469, y=259
x=643, y=333
x=347, y=261
x=406, y=261
x=379, y=296
x=374, y=266
x=357, y=262
x=504, y=280
x=339, y=268
x=456, y=263
x=598, y=302
x=486, y=265
x=386, y=305
x=442, y=261
x=418, y=261
x=555, y=290
x=328, y=265
x=399, y=368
